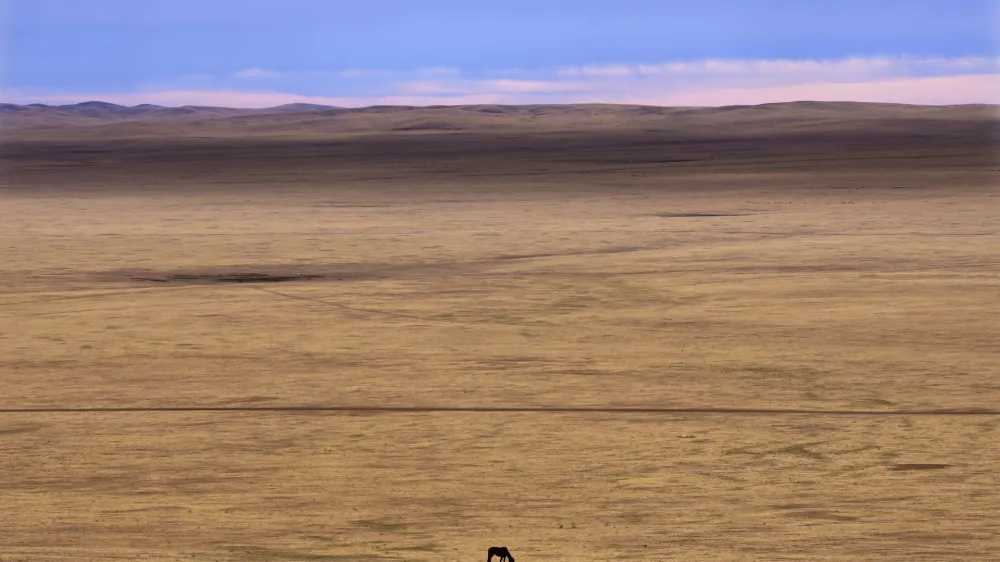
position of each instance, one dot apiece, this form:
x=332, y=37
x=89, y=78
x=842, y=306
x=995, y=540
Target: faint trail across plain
x=512, y=410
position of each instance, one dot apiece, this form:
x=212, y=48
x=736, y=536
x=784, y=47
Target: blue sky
x=353, y=52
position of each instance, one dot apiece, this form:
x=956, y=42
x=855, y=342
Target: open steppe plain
x=828, y=273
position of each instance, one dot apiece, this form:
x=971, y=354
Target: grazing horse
x=500, y=551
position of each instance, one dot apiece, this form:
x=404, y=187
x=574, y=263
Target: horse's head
x=511, y=558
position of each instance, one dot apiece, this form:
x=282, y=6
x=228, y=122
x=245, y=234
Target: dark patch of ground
x=919, y=466
x=228, y=278
x=695, y=215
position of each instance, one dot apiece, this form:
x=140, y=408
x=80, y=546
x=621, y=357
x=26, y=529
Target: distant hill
x=99, y=112
x=309, y=120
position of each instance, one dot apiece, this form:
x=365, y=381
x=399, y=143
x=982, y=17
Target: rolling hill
x=100, y=119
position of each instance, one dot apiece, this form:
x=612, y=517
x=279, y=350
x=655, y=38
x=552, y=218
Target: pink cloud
x=259, y=99
x=479, y=87
x=937, y=90
x=192, y=97
x=689, y=83
x=525, y=86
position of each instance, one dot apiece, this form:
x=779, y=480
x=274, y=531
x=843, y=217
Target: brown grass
x=602, y=271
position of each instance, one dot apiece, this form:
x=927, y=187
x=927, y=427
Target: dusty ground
x=816, y=275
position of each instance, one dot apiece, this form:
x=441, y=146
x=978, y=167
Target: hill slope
x=99, y=119
x=98, y=112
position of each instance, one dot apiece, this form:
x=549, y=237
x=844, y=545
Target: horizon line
x=440, y=106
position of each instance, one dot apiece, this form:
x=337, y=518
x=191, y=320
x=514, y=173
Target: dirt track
x=511, y=409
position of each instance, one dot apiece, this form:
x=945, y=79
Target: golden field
x=844, y=265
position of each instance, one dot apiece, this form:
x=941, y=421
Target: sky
x=352, y=53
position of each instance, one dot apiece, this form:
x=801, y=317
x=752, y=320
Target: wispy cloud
x=390, y=73
x=897, y=79
x=848, y=67
x=252, y=73
x=612, y=70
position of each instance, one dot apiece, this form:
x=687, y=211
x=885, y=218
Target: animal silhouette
x=500, y=551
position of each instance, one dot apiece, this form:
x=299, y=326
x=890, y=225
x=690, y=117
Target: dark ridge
x=96, y=105
x=300, y=107
x=383, y=109
x=429, y=126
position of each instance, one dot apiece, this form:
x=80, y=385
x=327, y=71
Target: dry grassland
x=835, y=279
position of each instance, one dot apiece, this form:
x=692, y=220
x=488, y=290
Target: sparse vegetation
x=485, y=270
